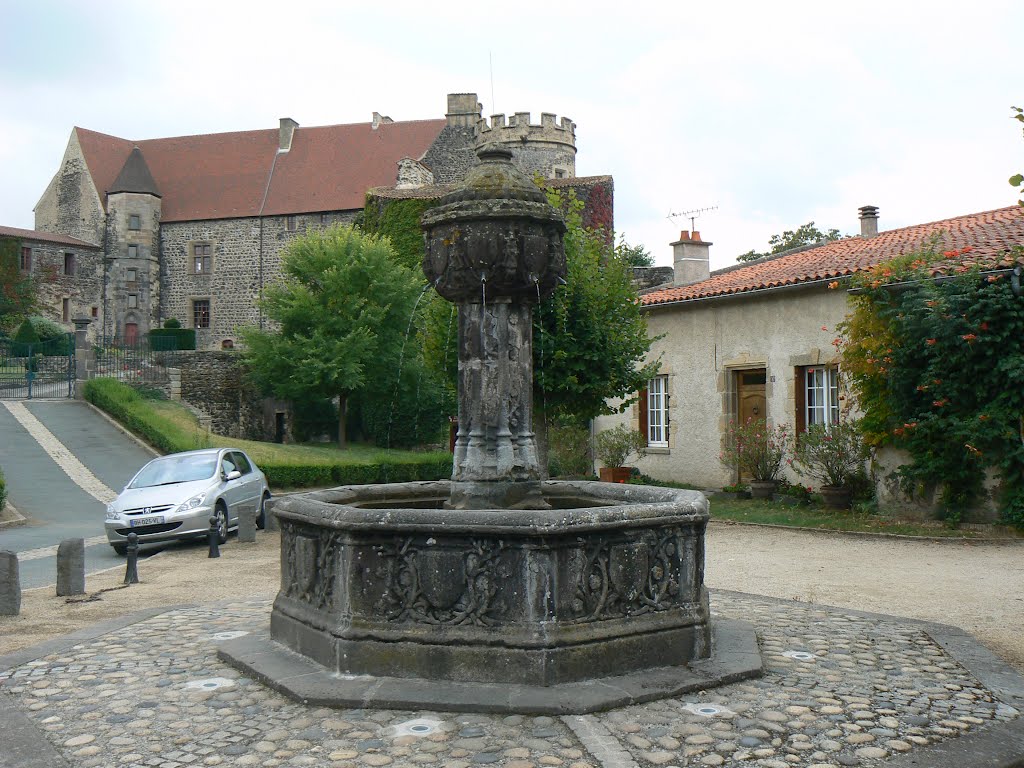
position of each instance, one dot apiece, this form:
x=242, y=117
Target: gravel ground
x=978, y=586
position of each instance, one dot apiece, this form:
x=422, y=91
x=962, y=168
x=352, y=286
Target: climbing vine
x=932, y=349
x=399, y=220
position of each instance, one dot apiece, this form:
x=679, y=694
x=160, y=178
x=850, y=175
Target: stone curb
x=10, y=517
x=873, y=534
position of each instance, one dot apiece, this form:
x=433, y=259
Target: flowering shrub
x=756, y=449
x=832, y=456
x=938, y=370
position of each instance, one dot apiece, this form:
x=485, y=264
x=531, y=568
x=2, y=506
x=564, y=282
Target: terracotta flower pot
x=615, y=474
x=763, y=489
x=836, y=496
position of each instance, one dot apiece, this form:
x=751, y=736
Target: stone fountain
x=498, y=590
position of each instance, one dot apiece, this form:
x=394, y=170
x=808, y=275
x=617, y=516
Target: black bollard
x=214, y=536
x=131, y=571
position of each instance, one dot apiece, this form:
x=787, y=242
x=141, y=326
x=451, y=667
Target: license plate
x=150, y=520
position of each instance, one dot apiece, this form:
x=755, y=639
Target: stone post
x=247, y=526
x=10, y=584
x=85, y=357
x=71, y=567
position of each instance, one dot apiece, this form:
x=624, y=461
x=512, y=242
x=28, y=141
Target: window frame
x=131, y=275
x=291, y=223
x=197, y=305
x=65, y=309
x=133, y=251
x=655, y=417
x=206, y=258
x=25, y=259
x=133, y=301
x=823, y=406
x=69, y=264
x=134, y=222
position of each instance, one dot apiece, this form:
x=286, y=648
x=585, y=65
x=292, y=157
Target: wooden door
x=750, y=394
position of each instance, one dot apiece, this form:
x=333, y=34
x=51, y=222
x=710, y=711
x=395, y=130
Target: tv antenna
x=691, y=215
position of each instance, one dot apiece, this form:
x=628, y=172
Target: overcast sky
x=776, y=113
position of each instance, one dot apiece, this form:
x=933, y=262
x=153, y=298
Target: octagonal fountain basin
x=390, y=600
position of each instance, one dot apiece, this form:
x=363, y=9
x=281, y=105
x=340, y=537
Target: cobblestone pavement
x=841, y=689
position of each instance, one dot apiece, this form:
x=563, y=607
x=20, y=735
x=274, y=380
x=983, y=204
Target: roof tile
x=990, y=234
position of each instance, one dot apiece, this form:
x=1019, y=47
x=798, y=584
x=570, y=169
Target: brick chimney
x=690, y=258
x=868, y=220
x=285, y=134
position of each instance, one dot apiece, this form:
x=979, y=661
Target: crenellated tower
x=547, y=148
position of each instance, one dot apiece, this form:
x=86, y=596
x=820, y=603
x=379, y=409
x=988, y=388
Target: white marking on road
x=77, y=471
x=36, y=554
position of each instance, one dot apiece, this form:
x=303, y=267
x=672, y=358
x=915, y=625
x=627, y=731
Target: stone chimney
x=285, y=134
x=464, y=110
x=690, y=258
x=379, y=120
x=868, y=220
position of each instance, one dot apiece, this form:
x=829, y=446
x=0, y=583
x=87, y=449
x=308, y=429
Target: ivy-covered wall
x=399, y=219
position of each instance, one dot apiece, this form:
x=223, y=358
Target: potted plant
x=833, y=455
x=758, y=451
x=613, y=447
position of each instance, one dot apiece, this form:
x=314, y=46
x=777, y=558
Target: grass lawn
x=811, y=516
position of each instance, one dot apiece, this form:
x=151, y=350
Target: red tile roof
x=44, y=237
x=225, y=175
x=990, y=234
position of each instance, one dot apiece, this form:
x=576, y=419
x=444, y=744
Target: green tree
x=633, y=255
x=17, y=290
x=343, y=307
x=805, y=234
x=590, y=338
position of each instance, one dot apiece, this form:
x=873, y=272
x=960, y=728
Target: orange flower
x=939, y=403
x=968, y=337
x=929, y=341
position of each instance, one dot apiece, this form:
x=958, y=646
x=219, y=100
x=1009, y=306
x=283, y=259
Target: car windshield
x=175, y=469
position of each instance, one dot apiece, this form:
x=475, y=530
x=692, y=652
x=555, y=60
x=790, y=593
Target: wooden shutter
x=642, y=405
x=800, y=392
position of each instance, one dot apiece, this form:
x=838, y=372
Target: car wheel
x=120, y=549
x=261, y=516
x=222, y=524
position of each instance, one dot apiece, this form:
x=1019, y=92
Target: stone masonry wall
x=214, y=382
x=131, y=300
x=82, y=289
x=71, y=204
x=246, y=257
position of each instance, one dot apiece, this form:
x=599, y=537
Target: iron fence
x=37, y=369
x=137, y=362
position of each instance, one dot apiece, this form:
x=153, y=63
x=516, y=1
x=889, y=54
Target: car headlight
x=195, y=501
x=112, y=513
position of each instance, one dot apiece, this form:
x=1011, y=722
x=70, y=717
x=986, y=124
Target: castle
x=193, y=227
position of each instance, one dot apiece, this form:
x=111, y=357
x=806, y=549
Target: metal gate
x=41, y=369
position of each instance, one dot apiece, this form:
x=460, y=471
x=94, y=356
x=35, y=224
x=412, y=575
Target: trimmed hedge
x=172, y=339
x=130, y=409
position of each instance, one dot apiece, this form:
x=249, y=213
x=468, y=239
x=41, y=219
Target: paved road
x=63, y=461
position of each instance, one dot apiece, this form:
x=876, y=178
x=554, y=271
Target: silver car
x=174, y=497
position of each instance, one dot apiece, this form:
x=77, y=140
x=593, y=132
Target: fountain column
x=494, y=247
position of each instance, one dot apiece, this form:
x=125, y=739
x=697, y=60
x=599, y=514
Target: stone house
x=68, y=272
x=756, y=339
x=192, y=227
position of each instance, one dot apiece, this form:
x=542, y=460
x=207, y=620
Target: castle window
x=131, y=275
x=25, y=265
x=201, y=262
x=65, y=309
x=95, y=311
x=133, y=301
x=133, y=251
x=290, y=223
x=135, y=221
x=324, y=219
x=200, y=313
x=559, y=173
x=69, y=264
